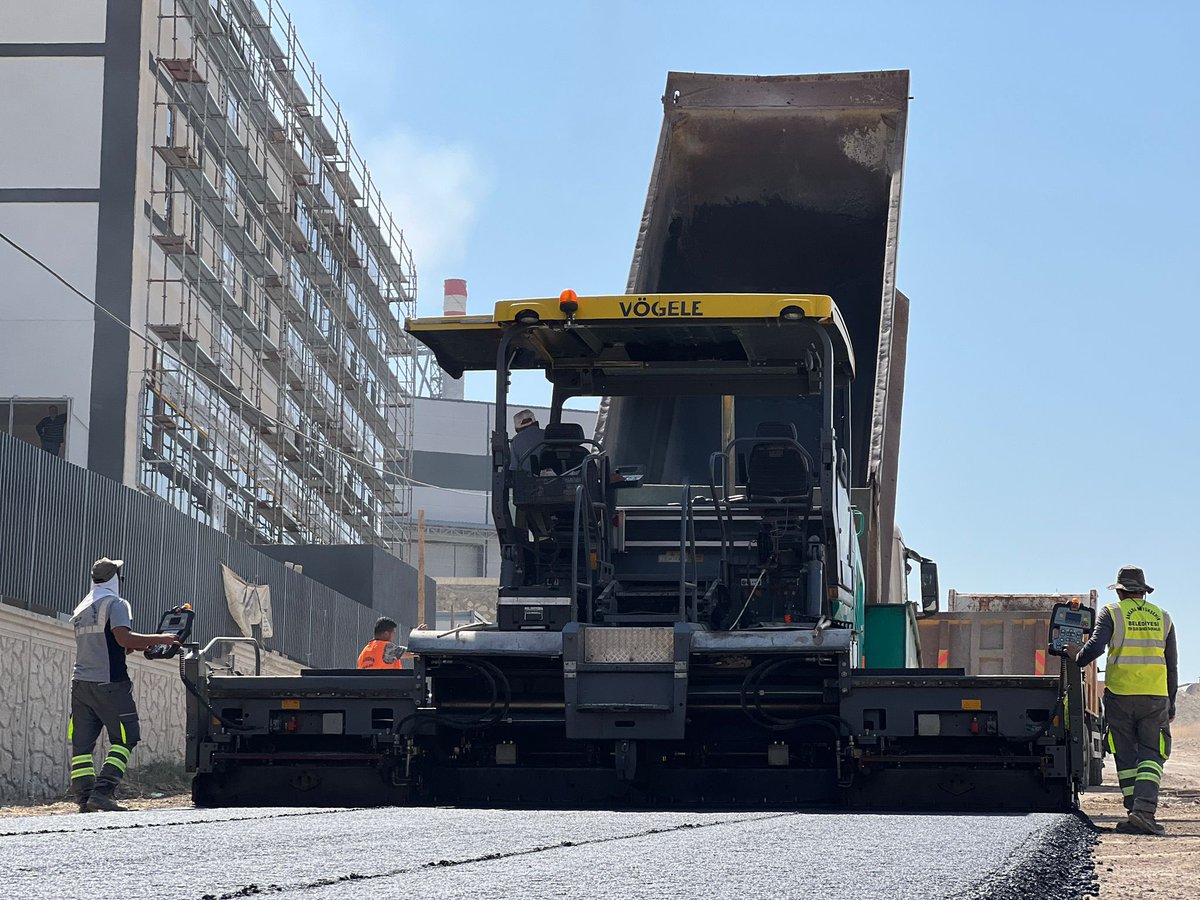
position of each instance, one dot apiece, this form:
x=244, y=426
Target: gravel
x=432, y=853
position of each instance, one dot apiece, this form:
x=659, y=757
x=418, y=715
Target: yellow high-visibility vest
x=1137, y=654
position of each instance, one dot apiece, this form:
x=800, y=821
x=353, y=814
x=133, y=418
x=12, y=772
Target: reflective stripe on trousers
x=1138, y=734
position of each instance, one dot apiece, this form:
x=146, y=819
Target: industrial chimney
x=454, y=303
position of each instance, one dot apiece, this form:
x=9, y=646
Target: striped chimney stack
x=454, y=303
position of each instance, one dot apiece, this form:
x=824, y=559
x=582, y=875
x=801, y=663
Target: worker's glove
x=1171, y=713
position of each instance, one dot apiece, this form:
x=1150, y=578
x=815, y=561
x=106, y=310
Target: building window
x=169, y=205
x=229, y=269
x=229, y=189
x=233, y=110
x=43, y=423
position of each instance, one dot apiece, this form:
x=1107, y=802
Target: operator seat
x=548, y=508
x=562, y=447
x=778, y=471
x=542, y=496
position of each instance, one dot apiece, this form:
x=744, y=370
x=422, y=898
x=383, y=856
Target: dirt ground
x=154, y=786
x=1164, y=868
x=63, y=807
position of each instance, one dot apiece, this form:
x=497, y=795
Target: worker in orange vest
x=383, y=652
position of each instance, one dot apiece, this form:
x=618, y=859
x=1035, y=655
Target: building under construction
x=264, y=383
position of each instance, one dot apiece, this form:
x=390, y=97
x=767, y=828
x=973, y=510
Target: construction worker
x=101, y=692
x=529, y=435
x=51, y=431
x=383, y=652
x=1140, y=682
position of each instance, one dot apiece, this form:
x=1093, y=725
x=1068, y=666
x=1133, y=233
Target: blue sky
x=1048, y=238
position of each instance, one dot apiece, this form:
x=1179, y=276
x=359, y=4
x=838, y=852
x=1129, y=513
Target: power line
x=215, y=384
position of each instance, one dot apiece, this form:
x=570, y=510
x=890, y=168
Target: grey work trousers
x=95, y=707
x=1139, y=736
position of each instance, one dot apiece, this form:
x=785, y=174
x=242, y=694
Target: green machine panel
x=890, y=637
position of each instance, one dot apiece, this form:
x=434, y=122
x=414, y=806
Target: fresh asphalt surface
x=321, y=853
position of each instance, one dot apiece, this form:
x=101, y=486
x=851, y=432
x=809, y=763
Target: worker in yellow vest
x=1140, y=682
x=383, y=652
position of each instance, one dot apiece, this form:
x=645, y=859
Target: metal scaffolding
x=278, y=399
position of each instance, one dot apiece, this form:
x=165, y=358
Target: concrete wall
x=364, y=573
x=37, y=654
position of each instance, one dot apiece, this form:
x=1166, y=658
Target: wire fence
x=57, y=518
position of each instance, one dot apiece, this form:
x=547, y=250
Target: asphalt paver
x=441, y=852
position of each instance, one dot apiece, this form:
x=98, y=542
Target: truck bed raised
x=781, y=183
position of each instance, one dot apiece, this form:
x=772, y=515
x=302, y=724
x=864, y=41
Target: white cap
x=523, y=418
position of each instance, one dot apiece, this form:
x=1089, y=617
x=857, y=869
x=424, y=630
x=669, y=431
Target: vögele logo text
x=641, y=308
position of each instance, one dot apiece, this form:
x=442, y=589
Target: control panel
x=176, y=621
x=1070, y=623
x=628, y=476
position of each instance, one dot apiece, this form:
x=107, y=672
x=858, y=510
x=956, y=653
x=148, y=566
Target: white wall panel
x=62, y=235
x=50, y=114
x=448, y=426
x=53, y=21
x=451, y=506
x=46, y=332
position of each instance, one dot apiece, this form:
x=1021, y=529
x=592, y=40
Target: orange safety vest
x=382, y=655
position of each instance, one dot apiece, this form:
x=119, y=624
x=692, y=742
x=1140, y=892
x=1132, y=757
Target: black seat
x=562, y=447
x=778, y=469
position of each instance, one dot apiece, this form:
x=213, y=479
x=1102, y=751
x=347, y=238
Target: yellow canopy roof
x=733, y=338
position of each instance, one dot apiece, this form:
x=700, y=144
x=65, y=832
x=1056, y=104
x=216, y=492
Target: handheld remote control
x=1070, y=623
x=176, y=621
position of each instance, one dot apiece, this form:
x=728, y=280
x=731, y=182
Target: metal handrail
x=575, y=585
x=695, y=582
x=582, y=494
x=719, y=455
x=687, y=545
x=237, y=640
x=560, y=442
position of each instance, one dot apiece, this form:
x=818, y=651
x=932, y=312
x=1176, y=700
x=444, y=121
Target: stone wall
x=36, y=656
x=463, y=596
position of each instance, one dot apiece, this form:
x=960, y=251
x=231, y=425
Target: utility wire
x=215, y=384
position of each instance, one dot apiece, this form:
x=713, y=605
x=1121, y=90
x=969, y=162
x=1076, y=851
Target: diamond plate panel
x=628, y=645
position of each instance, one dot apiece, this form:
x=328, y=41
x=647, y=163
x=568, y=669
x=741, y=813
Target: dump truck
x=1005, y=634
x=702, y=603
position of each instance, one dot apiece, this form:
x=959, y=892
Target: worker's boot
x=102, y=800
x=83, y=801
x=1141, y=822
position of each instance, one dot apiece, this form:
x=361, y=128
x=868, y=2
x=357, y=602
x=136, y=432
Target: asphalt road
x=420, y=853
